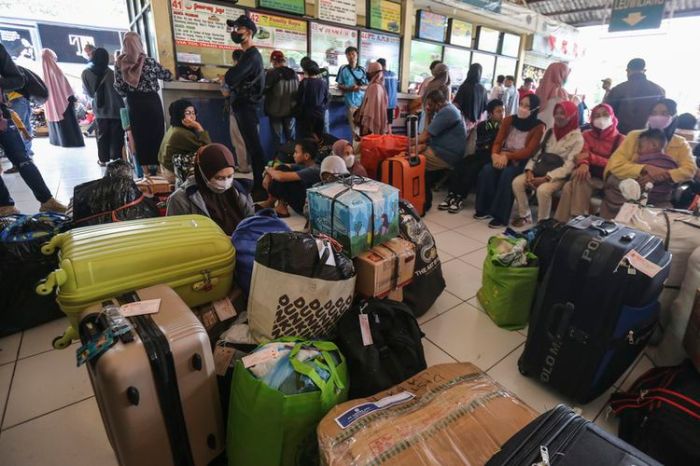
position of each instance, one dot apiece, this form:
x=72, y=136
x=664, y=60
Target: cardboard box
x=152, y=185
x=359, y=216
x=385, y=268
x=448, y=414
x=691, y=342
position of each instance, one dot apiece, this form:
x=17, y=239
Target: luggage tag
x=223, y=355
x=95, y=347
x=224, y=309
x=139, y=308
x=324, y=246
x=365, y=329
x=259, y=357
x=642, y=264
x=354, y=413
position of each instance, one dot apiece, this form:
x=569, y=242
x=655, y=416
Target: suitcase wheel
x=521, y=369
x=61, y=342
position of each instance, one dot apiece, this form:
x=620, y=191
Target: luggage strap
x=648, y=398
x=113, y=213
x=158, y=351
x=349, y=182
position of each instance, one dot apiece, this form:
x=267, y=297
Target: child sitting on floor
x=344, y=150
x=650, y=151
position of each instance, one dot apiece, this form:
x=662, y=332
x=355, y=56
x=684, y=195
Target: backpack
x=245, y=238
x=394, y=352
x=428, y=282
x=281, y=101
x=660, y=414
x=34, y=87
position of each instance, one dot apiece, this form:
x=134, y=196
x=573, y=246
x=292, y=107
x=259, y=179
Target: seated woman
x=624, y=162
x=599, y=143
x=286, y=184
x=184, y=137
x=212, y=191
x=547, y=172
x=518, y=139
x=344, y=150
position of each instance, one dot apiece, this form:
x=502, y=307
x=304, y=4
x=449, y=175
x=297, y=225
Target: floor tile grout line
x=47, y=413
x=443, y=350
x=504, y=357
x=445, y=311
x=37, y=354
x=9, y=388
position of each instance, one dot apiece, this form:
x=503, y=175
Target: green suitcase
x=189, y=253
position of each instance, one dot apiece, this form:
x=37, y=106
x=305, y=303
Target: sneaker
x=8, y=210
x=479, y=216
x=456, y=205
x=521, y=222
x=52, y=205
x=495, y=224
x=445, y=205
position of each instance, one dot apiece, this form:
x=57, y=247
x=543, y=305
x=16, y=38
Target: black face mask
x=237, y=37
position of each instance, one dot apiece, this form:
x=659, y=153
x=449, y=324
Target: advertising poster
x=488, y=40
x=328, y=44
x=68, y=42
x=18, y=42
x=460, y=33
x=280, y=33
x=422, y=55
x=289, y=6
x=384, y=15
x=338, y=11
x=202, y=25
x=431, y=26
x=374, y=45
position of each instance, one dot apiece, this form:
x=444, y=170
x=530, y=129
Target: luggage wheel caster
x=61, y=342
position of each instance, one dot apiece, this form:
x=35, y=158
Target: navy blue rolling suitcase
x=559, y=437
x=593, y=312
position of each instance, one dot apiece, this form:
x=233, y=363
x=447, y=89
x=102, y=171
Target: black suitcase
x=593, y=313
x=561, y=438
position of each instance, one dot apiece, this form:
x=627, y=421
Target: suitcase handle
x=606, y=227
x=50, y=247
x=56, y=278
x=413, y=161
x=559, y=322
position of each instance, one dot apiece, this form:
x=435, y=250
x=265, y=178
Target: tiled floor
x=47, y=409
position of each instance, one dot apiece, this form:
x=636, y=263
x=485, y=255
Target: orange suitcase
x=408, y=175
x=375, y=148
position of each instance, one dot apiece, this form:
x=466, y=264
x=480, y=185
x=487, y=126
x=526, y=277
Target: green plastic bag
x=506, y=293
x=267, y=427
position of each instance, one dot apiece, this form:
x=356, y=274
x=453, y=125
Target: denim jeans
x=12, y=144
x=24, y=110
x=494, y=191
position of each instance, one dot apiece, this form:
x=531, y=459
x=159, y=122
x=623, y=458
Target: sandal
x=521, y=222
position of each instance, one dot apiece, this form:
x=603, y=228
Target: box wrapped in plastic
x=449, y=414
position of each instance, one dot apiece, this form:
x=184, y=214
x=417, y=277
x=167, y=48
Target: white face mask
x=349, y=160
x=603, y=123
x=523, y=113
x=220, y=186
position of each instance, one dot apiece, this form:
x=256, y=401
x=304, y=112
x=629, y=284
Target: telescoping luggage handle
x=413, y=159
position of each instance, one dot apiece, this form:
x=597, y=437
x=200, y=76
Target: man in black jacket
x=13, y=146
x=247, y=82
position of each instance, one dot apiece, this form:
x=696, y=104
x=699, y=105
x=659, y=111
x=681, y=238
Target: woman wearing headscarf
x=551, y=91
x=212, y=191
x=440, y=81
x=64, y=129
x=518, y=139
x=372, y=113
x=98, y=84
x=471, y=96
x=599, y=143
x=624, y=162
x=136, y=78
x=547, y=172
x=185, y=136
x=344, y=150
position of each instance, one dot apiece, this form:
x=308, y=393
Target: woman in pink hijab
x=136, y=78
x=64, y=129
x=373, y=117
x=551, y=91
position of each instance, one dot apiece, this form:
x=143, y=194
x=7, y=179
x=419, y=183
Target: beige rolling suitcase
x=155, y=385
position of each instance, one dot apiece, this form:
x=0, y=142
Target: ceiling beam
x=571, y=12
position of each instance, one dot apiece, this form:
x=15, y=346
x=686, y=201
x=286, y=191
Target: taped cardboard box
x=385, y=268
x=449, y=414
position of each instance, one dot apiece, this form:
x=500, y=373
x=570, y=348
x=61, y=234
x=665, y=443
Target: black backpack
x=34, y=87
x=396, y=352
x=660, y=414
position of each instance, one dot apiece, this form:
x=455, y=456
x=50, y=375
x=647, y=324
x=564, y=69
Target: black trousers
x=110, y=139
x=248, y=123
x=466, y=173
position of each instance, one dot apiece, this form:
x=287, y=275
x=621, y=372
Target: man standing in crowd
x=246, y=82
x=607, y=85
x=498, y=89
x=511, y=98
x=391, y=83
x=281, y=85
x=352, y=79
x=527, y=88
x=633, y=99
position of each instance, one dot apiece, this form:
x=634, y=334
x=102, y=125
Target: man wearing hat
x=247, y=82
x=607, y=85
x=281, y=86
x=633, y=99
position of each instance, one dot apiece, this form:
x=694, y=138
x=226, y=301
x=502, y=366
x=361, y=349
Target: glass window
x=328, y=44
x=487, y=62
x=488, y=39
x=457, y=60
x=506, y=66
x=422, y=55
x=511, y=45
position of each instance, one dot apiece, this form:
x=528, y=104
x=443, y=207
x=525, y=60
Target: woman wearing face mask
x=185, y=136
x=518, y=139
x=212, y=191
x=372, y=112
x=623, y=164
x=599, y=143
x=546, y=173
x=551, y=91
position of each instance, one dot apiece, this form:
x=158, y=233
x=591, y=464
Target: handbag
x=546, y=161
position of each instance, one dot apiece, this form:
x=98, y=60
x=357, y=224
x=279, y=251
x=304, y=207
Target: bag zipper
x=540, y=432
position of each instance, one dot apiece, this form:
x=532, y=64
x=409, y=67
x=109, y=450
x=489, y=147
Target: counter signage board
x=384, y=15
x=328, y=44
x=374, y=45
x=200, y=24
x=490, y=5
x=68, y=42
x=289, y=6
x=460, y=33
x=280, y=33
x=431, y=26
x=635, y=15
x=338, y=11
